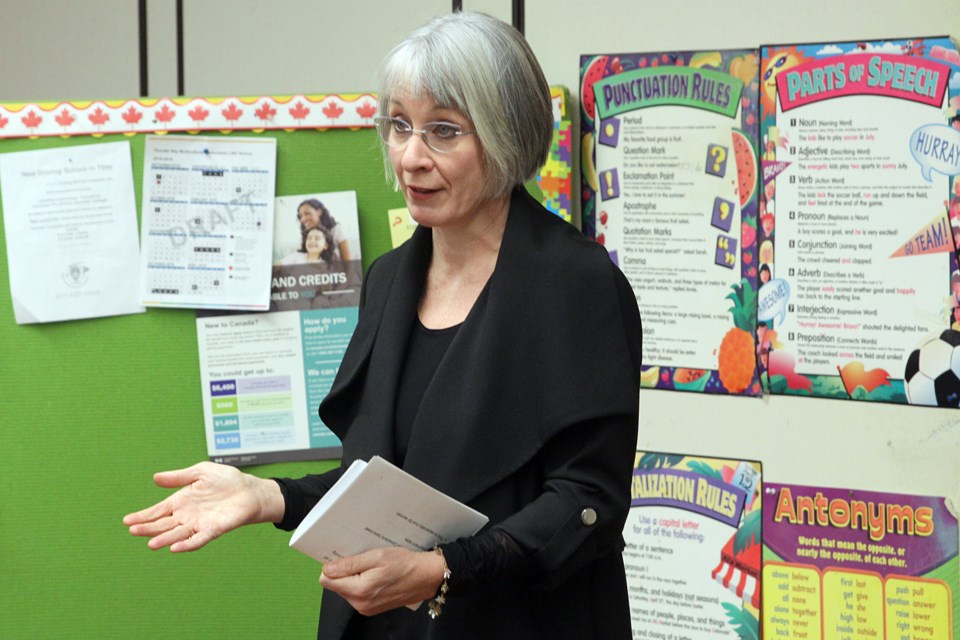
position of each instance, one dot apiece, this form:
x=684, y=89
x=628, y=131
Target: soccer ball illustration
x=932, y=373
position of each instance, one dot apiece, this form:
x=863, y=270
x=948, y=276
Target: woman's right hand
x=212, y=500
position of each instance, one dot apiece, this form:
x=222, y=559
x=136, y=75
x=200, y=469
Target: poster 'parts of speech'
x=860, y=220
x=670, y=188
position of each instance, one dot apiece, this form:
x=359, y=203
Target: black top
x=425, y=350
x=489, y=555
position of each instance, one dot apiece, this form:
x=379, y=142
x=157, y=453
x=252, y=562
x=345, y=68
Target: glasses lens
x=393, y=131
x=442, y=136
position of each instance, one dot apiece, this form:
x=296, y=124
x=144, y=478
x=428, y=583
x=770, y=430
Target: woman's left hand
x=383, y=579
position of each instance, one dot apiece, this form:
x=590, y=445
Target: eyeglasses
x=442, y=137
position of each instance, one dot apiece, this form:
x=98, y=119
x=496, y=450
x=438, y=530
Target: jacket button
x=588, y=517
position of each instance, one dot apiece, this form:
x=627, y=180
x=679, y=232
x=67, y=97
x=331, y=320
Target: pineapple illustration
x=737, y=356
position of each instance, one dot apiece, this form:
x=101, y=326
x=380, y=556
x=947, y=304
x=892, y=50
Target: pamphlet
x=376, y=504
x=263, y=374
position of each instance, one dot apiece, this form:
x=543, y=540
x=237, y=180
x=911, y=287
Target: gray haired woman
x=496, y=358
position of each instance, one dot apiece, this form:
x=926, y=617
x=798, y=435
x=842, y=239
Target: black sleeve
x=299, y=496
x=578, y=467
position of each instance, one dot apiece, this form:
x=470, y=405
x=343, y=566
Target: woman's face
x=441, y=189
x=309, y=217
x=315, y=242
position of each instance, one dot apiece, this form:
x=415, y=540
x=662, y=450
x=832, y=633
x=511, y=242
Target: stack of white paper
x=376, y=504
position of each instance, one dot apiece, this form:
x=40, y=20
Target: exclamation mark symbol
x=609, y=179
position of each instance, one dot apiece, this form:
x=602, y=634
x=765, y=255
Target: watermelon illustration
x=746, y=157
x=597, y=69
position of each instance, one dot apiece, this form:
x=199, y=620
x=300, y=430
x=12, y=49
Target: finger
x=170, y=537
x=177, y=477
x=345, y=586
x=353, y=565
x=154, y=528
x=192, y=543
x=345, y=567
x=355, y=591
x=159, y=510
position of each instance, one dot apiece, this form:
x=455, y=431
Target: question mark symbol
x=719, y=155
x=397, y=220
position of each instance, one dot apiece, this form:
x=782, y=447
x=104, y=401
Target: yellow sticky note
x=401, y=226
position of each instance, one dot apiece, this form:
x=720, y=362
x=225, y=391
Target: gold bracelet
x=434, y=606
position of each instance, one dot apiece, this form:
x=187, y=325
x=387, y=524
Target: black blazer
x=531, y=418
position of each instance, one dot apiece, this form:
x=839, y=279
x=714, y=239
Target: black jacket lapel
x=504, y=388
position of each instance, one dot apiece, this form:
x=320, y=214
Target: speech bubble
x=772, y=300
x=936, y=147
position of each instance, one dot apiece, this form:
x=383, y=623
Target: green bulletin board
x=90, y=409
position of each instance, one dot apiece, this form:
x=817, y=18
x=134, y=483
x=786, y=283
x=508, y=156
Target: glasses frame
x=425, y=133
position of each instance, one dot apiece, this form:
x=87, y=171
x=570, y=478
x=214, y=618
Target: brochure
x=264, y=374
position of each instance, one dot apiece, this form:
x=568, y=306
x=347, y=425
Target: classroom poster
x=670, y=171
x=845, y=564
x=860, y=214
x=263, y=375
x=692, y=552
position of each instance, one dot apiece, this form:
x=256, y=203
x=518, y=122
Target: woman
x=496, y=358
x=316, y=244
x=311, y=213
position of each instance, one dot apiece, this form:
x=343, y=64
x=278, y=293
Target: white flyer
x=207, y=223
x=70, y=218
